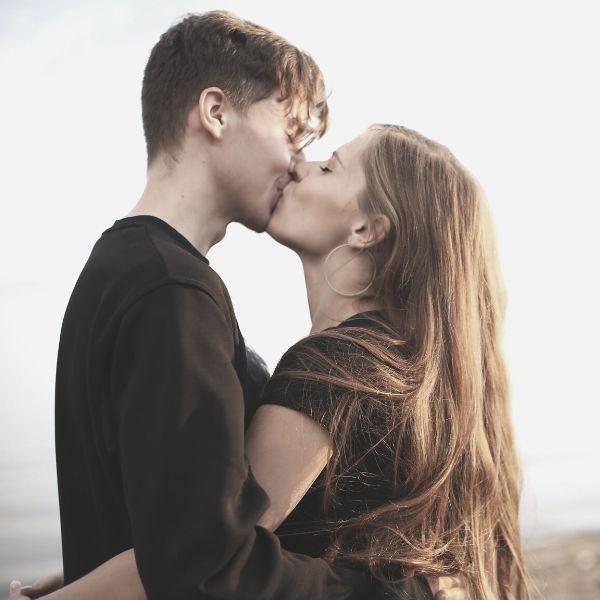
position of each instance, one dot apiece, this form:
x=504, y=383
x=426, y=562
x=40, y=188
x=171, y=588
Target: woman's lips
x=281, y=190
x=287, y=188
x=277, y=199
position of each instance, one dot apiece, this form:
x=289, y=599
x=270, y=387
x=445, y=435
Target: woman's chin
x=276, y=233
x=277, y=229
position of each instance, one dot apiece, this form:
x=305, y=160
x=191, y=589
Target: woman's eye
x=326, y=169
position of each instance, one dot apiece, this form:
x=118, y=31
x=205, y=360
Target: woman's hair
x=247, y=61
x=431, y=396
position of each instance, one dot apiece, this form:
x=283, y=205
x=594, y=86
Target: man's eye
x=326, y=169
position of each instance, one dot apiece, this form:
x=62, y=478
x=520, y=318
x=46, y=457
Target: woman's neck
x=328, y=308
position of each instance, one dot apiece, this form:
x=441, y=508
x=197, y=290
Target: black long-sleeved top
x=150, y=417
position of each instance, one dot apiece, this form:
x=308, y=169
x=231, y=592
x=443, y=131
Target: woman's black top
x=308, y=529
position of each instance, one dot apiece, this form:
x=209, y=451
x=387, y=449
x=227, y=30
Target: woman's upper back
x=304, y=381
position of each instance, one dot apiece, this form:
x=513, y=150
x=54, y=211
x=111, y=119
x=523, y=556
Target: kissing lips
x=277, y=199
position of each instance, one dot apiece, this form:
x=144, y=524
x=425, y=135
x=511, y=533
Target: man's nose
x=298, y=167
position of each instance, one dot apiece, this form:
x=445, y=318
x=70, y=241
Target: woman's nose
x=298, y=167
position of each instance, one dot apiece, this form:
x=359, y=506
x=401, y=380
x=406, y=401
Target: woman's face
x=319, y=209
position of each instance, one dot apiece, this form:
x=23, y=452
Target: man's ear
x=211, y=111
x=367, y=233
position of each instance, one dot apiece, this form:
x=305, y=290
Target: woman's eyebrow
x=337, y=157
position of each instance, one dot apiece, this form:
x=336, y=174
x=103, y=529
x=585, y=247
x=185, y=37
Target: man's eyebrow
x=337, y=157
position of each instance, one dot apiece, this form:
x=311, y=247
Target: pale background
x=510, y=87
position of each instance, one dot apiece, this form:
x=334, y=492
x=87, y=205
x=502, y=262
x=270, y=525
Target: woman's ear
x=367, y=233
x=212, y=112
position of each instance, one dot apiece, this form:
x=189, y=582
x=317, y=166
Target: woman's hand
x=16, y=591
x=448, y=588
x=41, y=587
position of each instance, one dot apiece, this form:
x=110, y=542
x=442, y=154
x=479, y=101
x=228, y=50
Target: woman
x=386, y=433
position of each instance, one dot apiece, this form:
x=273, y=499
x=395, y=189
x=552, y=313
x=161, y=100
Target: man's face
x=259, y=155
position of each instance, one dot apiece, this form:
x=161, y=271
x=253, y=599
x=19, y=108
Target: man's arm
x=193, y=506
x=160, y=358
x=287, y=450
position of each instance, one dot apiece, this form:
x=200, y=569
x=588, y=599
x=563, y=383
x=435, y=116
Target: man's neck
x=188, y=201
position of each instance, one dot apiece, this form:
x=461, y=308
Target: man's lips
x=281, y=192
x=287, y=187
x=277, y=199
x=280, y=189
x=282, y=182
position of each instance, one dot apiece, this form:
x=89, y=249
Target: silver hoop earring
x=353, y=294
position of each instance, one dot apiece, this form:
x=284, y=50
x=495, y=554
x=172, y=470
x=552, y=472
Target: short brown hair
x=247, y=61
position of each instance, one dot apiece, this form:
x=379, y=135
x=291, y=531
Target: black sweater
x=150, y=418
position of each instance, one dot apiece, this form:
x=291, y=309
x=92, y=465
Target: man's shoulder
x=148, y=252
x=131, y=259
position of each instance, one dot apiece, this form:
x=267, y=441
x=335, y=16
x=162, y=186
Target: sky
x=511, y=88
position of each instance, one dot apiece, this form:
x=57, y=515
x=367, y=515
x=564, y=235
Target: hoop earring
x=353, y=294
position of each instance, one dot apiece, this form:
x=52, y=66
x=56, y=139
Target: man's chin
x=256, y=223
x=256, y=227
x=260, y=223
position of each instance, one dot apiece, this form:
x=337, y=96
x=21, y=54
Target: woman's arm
x=287, y=450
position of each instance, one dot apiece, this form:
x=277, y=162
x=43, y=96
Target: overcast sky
x=510, y=87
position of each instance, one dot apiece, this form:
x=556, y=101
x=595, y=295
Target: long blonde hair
x=433, y=394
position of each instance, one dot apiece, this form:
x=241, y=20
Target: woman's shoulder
x=342, y=340
x=315, y=373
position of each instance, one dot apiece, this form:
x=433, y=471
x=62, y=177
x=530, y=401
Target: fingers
x=30, y=591
x=37, y=589
x=452, y=588
x=44, y=585
x=15, y=590
x=434, y=584
x=14, y=586
x=18, y=591
x=460, y=581
x=452, y=594
x=447, y=582
x=449, y=587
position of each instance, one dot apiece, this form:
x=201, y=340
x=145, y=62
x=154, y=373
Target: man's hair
x=247, y=61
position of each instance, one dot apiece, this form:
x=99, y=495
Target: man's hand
x=448, y=588
x=41, y=587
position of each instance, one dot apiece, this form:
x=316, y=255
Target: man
x=152, y=389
